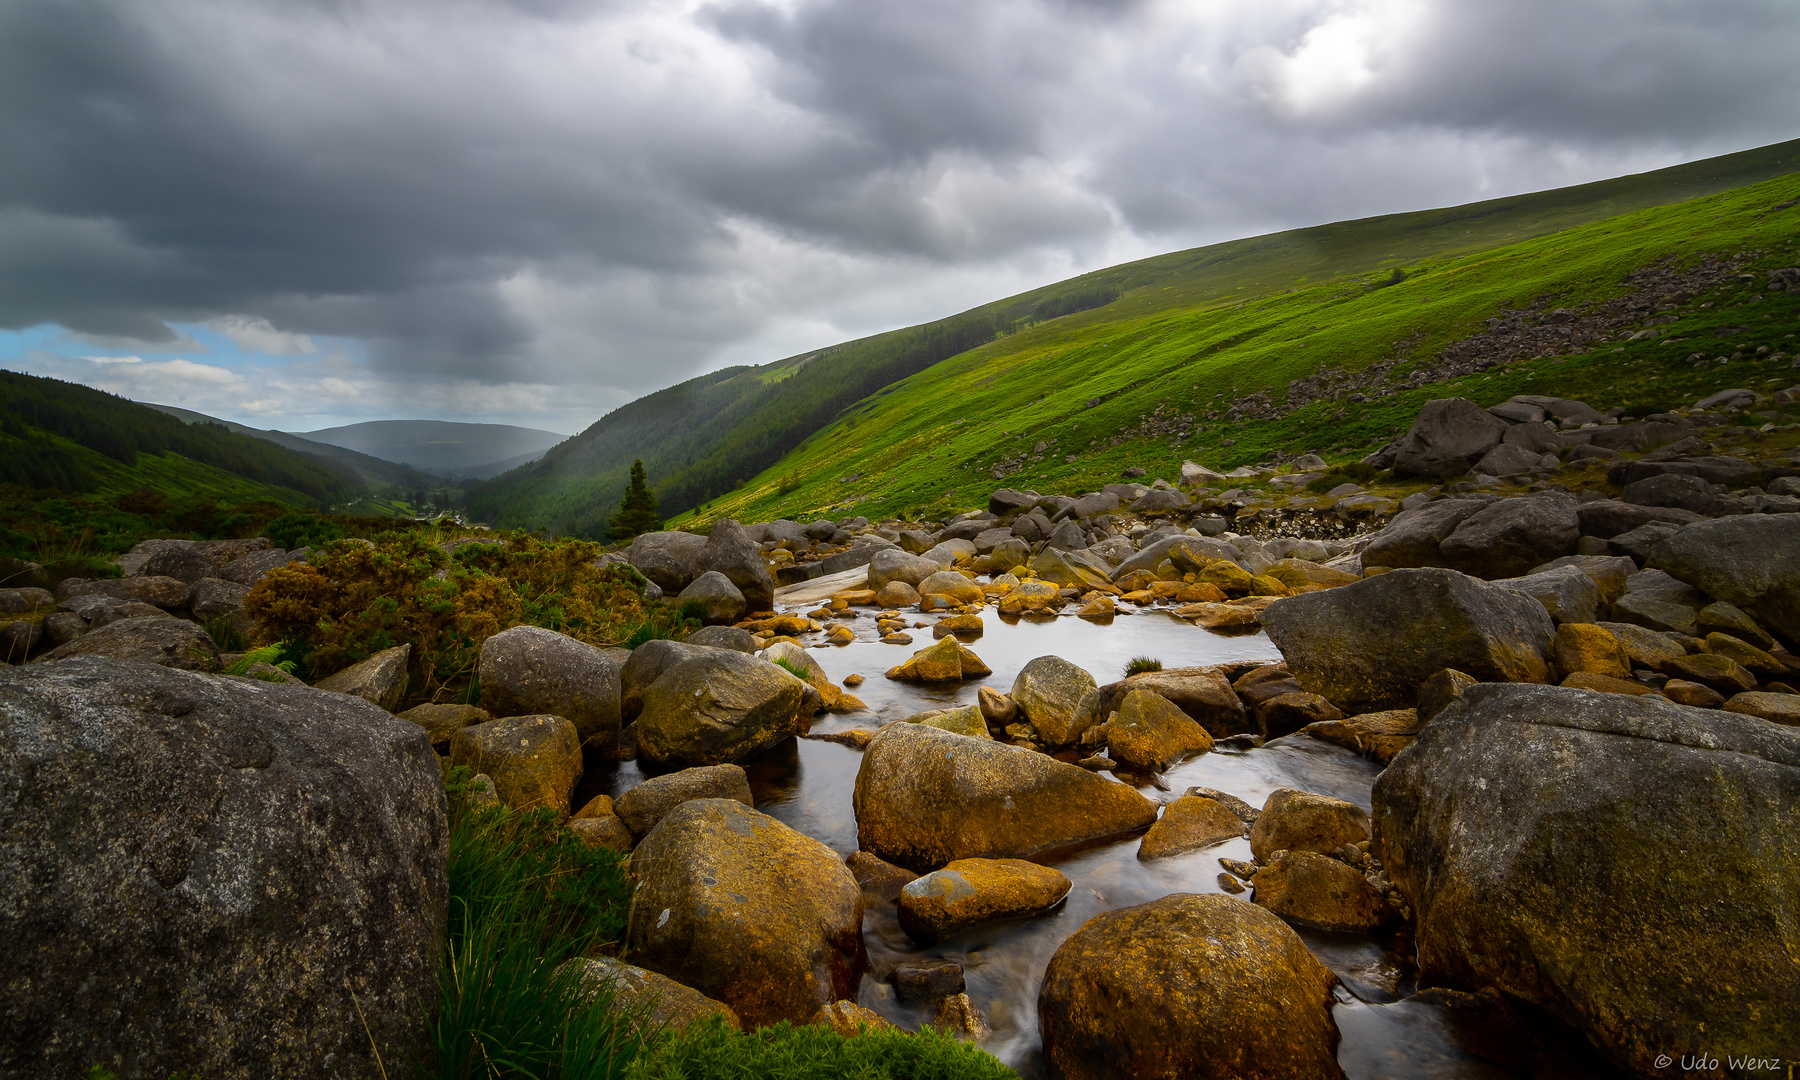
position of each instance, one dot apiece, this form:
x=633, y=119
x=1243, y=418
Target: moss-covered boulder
x=719, y=707
x=1203, y=987
x=1627, y=863
x=1150, y=732
x=1048, y=691
x=533, y=760
x=970, y=892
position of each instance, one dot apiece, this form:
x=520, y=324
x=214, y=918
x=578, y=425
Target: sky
x=295, y=214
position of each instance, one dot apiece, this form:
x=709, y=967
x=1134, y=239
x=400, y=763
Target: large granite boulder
x=214, y=876
x=1049, y=690
x=723, y=706
x=647, y=664
x=379, y=680
x=730, y=552
x=1369, y=646
x=1508, y=537
x=1568, y=593
x=670, y=559
x=1447, y=437
x=150, y=639
x=1303, y=821
x=895, y=565
x=1202, y=987
x=644, y=806
x=747, y=911
x=1150, y=732
x=720, y=601
x=926, y=797
x=1752, y=561
x=1204, y=693
x=1572, y=850
x=1412, y=538
x=528, y=670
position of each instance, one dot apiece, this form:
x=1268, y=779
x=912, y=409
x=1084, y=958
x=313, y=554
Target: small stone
x=1230, y=884
x=1188, y=824
x=1683, y=692
x=1302, y=821
x=957, y=1015
x=853, y=680
x=919, y=981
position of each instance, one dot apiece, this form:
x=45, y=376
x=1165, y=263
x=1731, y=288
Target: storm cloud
x=536, y=210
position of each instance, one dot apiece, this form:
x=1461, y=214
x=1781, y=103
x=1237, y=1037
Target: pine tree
x=637, y=510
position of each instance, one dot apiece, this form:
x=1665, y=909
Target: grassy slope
x=930, y=441
x=715, y=432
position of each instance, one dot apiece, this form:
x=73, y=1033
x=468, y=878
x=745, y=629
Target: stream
x=807, y=784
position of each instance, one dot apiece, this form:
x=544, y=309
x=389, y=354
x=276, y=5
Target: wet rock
x=666, y=1003
x=720, y=707
x=442, y=721
x=1590, y=648
x=1188, y=824
x=156, y=639
x=1751, y=561
x=533, y=760
x=1447, y=437
x=947, y=661
x=1285, y=714
x=1369, y=646
x=1475, y=825
x=1312, y=890
x=720, y=601
x=1197, y=986
x=142, y=803
x=896, y=594
x=956, y=587
x=669, y=559
x=1150, y=732
x=966, y=720
x=880, y=880
x=747, y=911
x=1031, y=597
x=379, y=680
x=925, y=798
x=996, y=708
x=527, y=670
x=1302, y=821
x=918, y=982
x=1048, y=692
x=1379, y=735
x=1203, y=693
x=970, y=892
x=1508, y=537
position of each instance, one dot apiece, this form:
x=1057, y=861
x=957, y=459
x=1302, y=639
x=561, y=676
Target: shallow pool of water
x=808, y=785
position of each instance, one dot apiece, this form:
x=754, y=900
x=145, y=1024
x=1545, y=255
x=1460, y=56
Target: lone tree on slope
x=637, y=510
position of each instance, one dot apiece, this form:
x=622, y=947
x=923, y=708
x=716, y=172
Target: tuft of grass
x=710, y=1050
x=526, y=897
x=793, y=669
x=1140, y=664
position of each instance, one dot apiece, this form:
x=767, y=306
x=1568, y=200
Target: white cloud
x=255, y=334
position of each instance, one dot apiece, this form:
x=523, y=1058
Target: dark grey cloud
x=560, y=204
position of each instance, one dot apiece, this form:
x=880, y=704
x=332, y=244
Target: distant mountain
x=373, y=471
x=443, y=447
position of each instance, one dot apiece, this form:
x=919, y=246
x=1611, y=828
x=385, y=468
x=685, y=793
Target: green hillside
x=711, y=435
x=1137, y=384
x=74, y=439
x=374, y=473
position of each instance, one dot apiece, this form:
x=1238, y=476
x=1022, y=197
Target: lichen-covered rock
x=1647, y=648
x=747, y=911
x=1302, y=821
x=720, y=707
x=1370, y=645
x=1567, y=593
x=198, y=873
x=163, y=592
x=1048, y=691
x=648, y=803
x=947, y=661
x=969, y=892
x=1150, y=732
x=963, y=720
x=442, y=721
x=380, y=680
x=527, y=670
x=1204, y=693
x=150, y=639
x=1285, y=714
x=720, y=601
x=1530, y=829
x=1412, y=538
x=949, y=583
x=1507, y=537
x=669, y=559
x=647, y=663
x=895, y=565
x=1202, y=987
x=1031, y=597
x=1379, y=735
x=1188, y=824
x=926, y=797
x=1312, y=890
x=667, y=1003
x=533, y=760
x=1591, y=648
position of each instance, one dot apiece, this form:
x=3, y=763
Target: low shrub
x=710, y=1050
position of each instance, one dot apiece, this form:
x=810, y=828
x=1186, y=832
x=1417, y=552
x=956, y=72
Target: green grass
x=713, y=1051
x=718, y=442
x=1137, y=665
x=928, y=444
